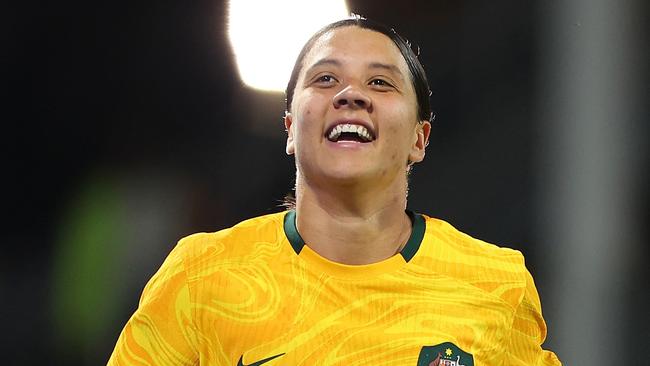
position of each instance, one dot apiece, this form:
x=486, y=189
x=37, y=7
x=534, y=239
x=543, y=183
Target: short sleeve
x=161, y=331
x=529, y=331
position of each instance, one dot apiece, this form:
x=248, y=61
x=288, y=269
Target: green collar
x=409, y=250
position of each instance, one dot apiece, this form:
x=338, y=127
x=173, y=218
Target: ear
x=422, y=131
x=288, y=124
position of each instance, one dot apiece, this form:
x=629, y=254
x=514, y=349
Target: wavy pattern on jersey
x=244, y=292
x=152, y=334
x=311, y=302
x=369, y=334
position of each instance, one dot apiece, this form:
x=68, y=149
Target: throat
x=354, y=240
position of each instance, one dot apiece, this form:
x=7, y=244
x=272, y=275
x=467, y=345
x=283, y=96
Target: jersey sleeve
x=529, y=331
x=161, y=331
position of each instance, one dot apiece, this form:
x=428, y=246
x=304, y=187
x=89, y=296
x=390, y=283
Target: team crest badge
x=444, y=354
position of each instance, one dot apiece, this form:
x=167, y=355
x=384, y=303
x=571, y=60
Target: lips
x=350, y=131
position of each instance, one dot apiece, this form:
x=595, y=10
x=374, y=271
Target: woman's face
x=353, y=116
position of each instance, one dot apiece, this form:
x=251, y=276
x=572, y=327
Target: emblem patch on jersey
x=444, y=354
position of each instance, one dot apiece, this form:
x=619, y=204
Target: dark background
x=126, y=128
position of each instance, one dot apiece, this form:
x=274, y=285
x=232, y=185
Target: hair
x=417, y=74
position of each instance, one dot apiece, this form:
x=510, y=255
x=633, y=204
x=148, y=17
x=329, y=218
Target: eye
x=381, y=83
x=325, y=79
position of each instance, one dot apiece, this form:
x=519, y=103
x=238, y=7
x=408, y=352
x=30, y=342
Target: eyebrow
x=390, y=67
x=373, y=65
x=324, y=61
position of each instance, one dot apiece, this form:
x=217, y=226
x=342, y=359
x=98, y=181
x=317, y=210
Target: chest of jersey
x=290, y=313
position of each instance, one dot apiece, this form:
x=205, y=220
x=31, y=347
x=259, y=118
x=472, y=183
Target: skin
x=350, y=196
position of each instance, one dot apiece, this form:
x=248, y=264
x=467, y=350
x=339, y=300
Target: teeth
x=334, y=134
x=361, y=131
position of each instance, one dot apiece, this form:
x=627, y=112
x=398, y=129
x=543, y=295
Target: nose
x=352, y=97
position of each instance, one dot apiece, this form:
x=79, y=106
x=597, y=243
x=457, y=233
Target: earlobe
x=288, y=123
x=418, y=150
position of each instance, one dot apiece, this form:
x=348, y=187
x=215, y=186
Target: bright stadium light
x=266, y=36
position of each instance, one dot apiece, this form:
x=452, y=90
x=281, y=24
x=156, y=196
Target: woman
x=348, y=276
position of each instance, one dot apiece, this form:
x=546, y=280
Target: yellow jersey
x=256, y=294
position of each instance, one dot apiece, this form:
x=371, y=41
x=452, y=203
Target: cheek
x=398, y=132
x=307, y=101
x=307, y=115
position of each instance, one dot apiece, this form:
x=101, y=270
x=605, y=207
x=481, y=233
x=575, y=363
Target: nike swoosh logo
x=241, y=362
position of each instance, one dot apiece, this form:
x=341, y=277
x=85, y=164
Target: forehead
x=354, y=44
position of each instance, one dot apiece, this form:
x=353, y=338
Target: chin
x=348, y=170
x=350, y=177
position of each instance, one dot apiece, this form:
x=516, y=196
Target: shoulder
x=494, y=269
x=447, y=236
x=239, y=241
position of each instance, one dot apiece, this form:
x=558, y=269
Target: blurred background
x=127, y=127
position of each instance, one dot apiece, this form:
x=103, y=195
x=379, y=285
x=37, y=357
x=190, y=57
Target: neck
x=352, y=224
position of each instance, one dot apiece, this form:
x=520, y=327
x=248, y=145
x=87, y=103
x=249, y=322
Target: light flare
x=266, y=36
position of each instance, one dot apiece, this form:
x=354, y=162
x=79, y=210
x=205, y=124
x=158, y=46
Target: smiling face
x=354, y=115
